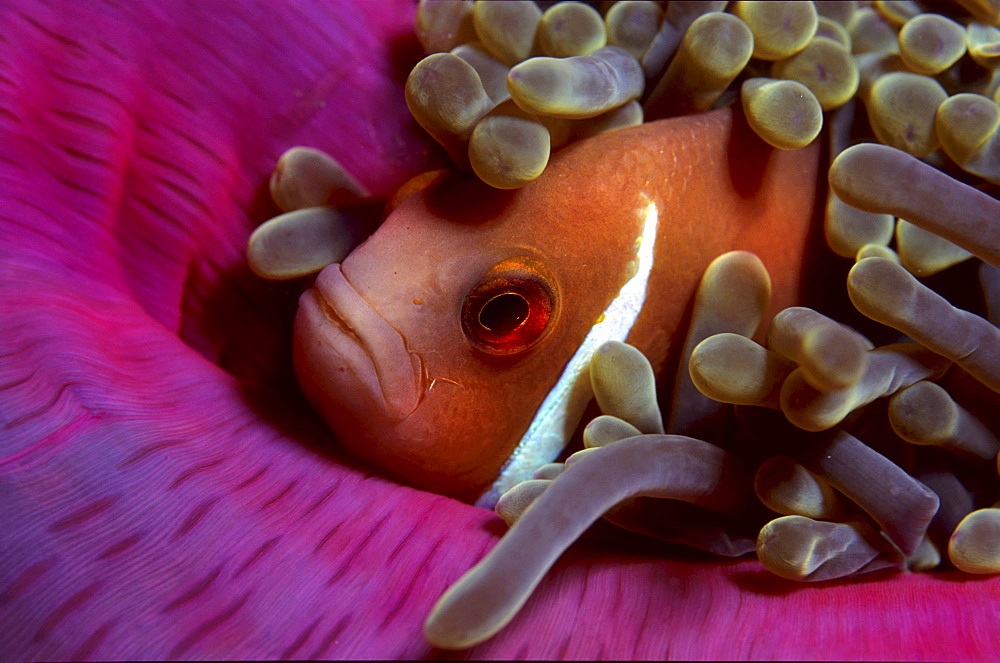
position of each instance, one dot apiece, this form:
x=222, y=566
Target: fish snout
x=351, y=362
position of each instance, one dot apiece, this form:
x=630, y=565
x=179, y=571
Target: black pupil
x=504, y=313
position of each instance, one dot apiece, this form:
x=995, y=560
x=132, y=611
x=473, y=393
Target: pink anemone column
x=164, y=490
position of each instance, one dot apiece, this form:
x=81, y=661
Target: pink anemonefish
x=450, y=349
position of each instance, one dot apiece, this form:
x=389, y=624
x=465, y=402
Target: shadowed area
x=165, y=491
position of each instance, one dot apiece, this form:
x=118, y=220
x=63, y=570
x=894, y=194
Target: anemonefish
x=450, y=350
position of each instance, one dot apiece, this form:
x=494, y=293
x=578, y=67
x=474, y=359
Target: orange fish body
x=431, y=349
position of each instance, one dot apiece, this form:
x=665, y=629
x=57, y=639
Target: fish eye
x=510, y=309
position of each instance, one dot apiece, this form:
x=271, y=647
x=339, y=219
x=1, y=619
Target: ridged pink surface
x=164, y=491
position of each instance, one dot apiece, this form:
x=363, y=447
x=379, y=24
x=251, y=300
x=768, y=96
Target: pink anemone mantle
x=165, y=492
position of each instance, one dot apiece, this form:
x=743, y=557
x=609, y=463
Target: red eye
x=510, y=309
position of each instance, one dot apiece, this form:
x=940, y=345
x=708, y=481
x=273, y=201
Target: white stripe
x=560, y=412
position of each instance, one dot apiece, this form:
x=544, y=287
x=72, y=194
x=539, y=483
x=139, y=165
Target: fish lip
x=374, y=351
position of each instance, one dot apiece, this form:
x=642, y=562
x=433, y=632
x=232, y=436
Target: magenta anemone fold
x=165, y=491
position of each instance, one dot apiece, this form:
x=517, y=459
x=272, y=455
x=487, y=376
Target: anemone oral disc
x=560, y=412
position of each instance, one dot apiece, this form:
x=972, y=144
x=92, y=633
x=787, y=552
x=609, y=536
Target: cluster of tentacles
x=864, y=455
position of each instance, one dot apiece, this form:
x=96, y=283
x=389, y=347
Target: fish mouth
x=364, y=345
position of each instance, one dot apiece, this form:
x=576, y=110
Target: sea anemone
x=167, y=492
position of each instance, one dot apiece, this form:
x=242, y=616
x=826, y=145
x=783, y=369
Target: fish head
x=429, y=350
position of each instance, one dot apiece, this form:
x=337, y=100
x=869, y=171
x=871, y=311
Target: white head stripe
x=565, y=403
